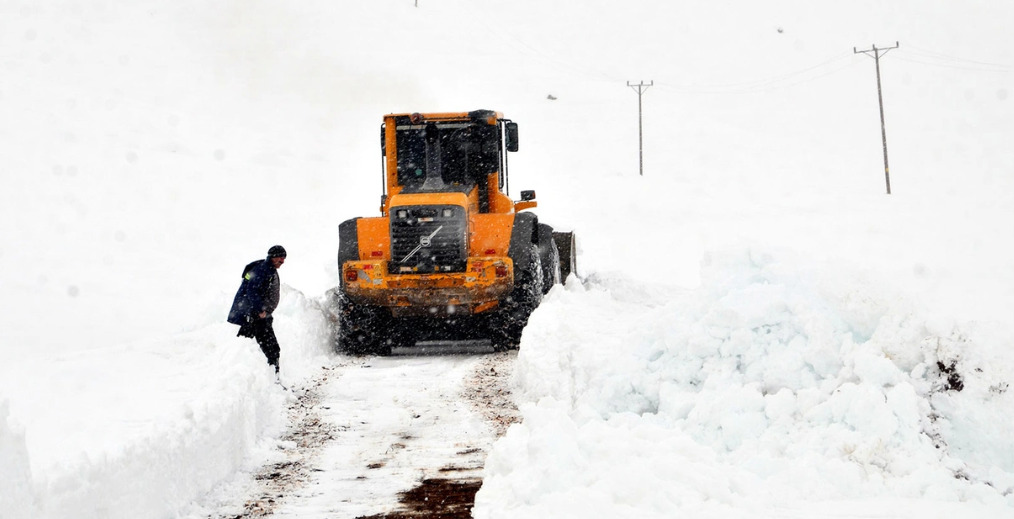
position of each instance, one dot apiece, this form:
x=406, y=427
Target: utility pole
x=876, y=54
x=640, y=88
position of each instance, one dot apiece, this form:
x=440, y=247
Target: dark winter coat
x=257, y=293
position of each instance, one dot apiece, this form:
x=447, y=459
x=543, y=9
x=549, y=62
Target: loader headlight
x=402, y=213
x=448, y=212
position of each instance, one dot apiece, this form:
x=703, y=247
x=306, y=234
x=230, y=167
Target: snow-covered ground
x=760, y=330
x=367, y=429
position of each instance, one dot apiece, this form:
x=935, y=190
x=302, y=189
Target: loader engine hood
x=429, y=233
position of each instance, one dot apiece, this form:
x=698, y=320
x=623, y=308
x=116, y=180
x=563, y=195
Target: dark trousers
x=261, y=330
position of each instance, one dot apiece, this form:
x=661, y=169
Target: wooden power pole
x=640, y=88
x=876, y=53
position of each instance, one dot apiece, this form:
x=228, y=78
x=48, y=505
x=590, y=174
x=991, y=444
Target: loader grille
x=428, y=238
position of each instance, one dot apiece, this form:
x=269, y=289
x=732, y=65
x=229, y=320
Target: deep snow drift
x=760, y=392
x=759, y=330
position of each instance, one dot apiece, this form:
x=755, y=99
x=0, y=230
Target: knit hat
x=276, y=252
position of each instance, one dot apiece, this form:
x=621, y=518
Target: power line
x=789, y=79
x=877, y=53
x=957, y=65
x=956, y=60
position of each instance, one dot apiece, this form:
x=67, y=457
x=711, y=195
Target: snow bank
x=15, y=493
x=763, y=387
x=178, y=415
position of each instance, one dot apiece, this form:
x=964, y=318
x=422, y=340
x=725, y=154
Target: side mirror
x=383, y=141
x=527, y=196
x=512, y=136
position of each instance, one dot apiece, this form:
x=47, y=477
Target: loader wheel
x=506, y=325
x=549, y=255
x=361, y=329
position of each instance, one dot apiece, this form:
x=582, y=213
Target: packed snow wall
x=16, y=490
x=774, y=381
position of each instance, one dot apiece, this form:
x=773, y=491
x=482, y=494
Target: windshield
x=439, y=156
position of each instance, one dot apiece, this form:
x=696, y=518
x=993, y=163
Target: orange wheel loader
x=451, y=256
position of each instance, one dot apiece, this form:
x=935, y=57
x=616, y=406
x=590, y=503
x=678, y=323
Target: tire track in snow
x=374, y=431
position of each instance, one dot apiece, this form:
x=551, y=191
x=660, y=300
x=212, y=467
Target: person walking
x=255, y=301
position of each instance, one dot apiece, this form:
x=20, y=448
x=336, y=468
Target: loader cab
x=443, y=153
x=446, y=157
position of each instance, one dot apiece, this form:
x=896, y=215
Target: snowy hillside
x=759, y=330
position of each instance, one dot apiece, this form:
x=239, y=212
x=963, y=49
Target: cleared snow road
x=370, y=429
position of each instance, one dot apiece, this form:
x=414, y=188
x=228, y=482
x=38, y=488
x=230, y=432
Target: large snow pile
x=16, y=493
x=138, y=430
x=762, y=389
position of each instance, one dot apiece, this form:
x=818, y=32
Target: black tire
x=400, y=334
x=506, y=324
x=360, y=329
x=549, y=255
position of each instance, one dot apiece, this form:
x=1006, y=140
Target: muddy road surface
x=386, y=437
